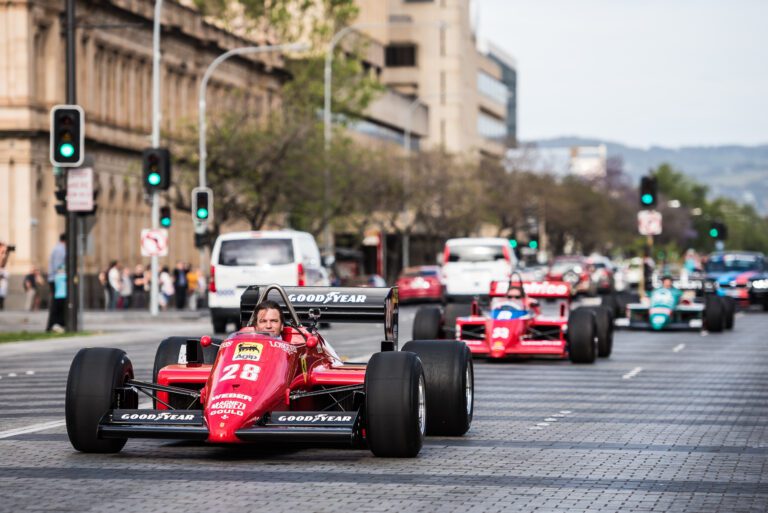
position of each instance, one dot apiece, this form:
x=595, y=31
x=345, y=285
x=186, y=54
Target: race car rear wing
x=542, y=289
x=335, y=304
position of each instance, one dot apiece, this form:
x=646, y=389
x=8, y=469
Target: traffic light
x=202, y=204
x=648, y=192
x=718, y=230
x=202, y=239
x=513, y=243
x=533, y=241
x=156, y=169
x=165, y=217
x=67, y=135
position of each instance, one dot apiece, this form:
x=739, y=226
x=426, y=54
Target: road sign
x=154, y=242
x=649, y=222
x=80, y=189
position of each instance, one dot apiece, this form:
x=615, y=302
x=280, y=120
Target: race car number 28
x=249, y=372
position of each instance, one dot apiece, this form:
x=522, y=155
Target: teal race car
x=670, y=309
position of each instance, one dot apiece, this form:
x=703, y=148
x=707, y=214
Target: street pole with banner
x=156, y=117
x=73, y=279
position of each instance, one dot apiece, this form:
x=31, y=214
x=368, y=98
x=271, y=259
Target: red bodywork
x=531, y=335
x=420, y=283
x=577, y=267
x=255, y=374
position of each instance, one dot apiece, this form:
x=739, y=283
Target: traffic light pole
x=154, y=285
x=71, y=224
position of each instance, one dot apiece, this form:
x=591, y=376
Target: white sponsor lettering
x=500, y=333
x=231, y=405
x=318, y=417
x=540, y=343
x=239, y=413
x=156, y=416
x=331, y=297
x=242, y=397
x=288, y=348
x=546, y=288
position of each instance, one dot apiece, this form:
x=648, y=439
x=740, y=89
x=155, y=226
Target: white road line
x=678, y=348
x=34, y=428
x=543, y=424
x=565, y=412
x=30, y=373
x=11, y=374
x=739, y=314
x=631, y=374
x=550, y=419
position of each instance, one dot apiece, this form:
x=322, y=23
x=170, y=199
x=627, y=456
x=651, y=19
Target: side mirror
x=312, y=341
x=205, y=341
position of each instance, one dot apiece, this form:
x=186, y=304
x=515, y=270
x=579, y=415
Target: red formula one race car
x=294, y=389
x=514, y=326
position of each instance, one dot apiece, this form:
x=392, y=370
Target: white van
x=241, y=259
x=471, y=264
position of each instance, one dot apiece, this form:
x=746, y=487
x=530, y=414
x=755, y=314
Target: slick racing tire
x=604, y=330
x=426, y=324
x=395, y=404
x=94, y=376
x=173, y=350
x=582, y=346
x=452, y=312
x=450, y=383
x=611, y=302
x=714, y=314
x=729, y=308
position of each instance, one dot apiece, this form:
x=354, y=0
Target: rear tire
x=714, y=316
x=172, y=351
x=729, y=305
x=450, y=384
x=604, y=331
x=581, y=336
x=452, y=312
x=395, y=404
x=94, y=376
x=426, y=324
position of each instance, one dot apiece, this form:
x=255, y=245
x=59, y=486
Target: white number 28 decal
x=500, y=333
x=250, y=372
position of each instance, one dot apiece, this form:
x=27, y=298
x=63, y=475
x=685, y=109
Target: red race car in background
x=513, y=325
x=293, y=389
x=576, y=271
x=420, y=283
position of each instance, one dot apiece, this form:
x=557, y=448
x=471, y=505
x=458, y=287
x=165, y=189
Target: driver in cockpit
x=511, y=306
x=269, y=318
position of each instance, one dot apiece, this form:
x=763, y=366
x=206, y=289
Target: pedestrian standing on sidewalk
x=56, y=320
x=139, y=295
x=192, y=275
x=166, y=288
x=114, y=283
x=104, y=282
x=32, y=283
x=57, y=260
x=126, y=289
x=180, y=285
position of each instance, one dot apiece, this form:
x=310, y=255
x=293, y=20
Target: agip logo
x=250, y=351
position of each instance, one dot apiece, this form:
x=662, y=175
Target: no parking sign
x=154, y=242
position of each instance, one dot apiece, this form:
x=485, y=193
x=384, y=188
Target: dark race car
x=741, y=275
x=255, y=388
x=516, y=327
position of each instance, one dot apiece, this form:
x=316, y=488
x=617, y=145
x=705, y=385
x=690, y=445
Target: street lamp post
x=156, y=117
x=293, y=47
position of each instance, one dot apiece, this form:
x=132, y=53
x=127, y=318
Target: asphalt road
x=671, y=422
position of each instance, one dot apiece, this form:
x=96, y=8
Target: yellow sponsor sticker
x=250, y=351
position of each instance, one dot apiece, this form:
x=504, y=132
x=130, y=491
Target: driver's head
x=515, y=292
x=666, y=282
x=269, y=318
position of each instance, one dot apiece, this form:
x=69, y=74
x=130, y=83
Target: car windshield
x=256, y=252
x=487, y=253
x=415, y=273
x=728, y=263
x=563, y=266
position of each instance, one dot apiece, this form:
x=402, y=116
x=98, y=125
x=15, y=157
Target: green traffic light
x=166, y=221
x=513, y=243
x=713, y=232
x=153, y=178
x=66, y=150
x=533, y=244
x=202, y=213
x=647, y=199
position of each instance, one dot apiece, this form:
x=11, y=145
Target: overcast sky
x=639, y=72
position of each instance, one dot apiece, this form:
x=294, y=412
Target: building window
x=401, y=55
x=492, y=88
x=490, y=127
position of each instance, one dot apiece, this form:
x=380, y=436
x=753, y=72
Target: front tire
x=729, y=305
x=450, y=384
x=426, y=324
x=94, y=377
x=581, y=336
x=395, y=404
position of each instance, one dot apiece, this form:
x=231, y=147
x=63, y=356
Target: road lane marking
x=565, y=412
x=30, y=373
x=678, y=348
x=631, y=374
x=11, y=374
x=543, y=424
x=740, y=314
x=42, y=426
x=550, y=419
